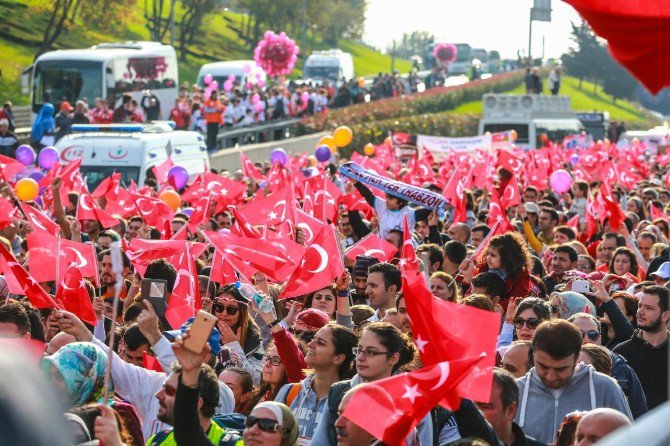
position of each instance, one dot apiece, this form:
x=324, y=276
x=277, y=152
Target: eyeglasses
x=220, y=308
x=555, y=309
x=264, y=424
x=593, y=335
x=531, y=323
x=273, y=360
x=169, y=390
x=367, y=353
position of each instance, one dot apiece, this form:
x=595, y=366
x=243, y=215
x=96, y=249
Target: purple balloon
x=177, y=176
x=322, y=153
x=560, y=181
x=574, y=159
x=36, y=175
x=279, y=156
x=25, y=155
x=187, y=211
x=47, y=157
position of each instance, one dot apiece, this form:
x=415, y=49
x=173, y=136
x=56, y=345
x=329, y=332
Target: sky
x=491, y=24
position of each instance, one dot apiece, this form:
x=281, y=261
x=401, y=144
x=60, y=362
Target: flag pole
x=57, y=264
x=117, y=268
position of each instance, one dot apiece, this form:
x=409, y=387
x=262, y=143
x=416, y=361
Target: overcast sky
x=492, y=24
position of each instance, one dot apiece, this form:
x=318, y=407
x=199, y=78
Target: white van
x=530, y=115
x=132, y=150
x=333, y=65
x=221, y=70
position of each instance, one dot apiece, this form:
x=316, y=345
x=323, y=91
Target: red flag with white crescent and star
x=372, y=246
x=43, y=249
x=38, y=220
x=19, y=281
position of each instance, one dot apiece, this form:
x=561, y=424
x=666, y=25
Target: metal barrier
x=255, y=134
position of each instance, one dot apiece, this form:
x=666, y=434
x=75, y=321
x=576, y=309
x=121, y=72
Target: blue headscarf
x=44, y=122
x=572, y=303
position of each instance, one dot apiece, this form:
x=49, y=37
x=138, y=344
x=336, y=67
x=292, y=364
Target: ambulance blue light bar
x=114, y=128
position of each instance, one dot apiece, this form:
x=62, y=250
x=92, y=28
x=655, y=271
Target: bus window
x=66, y=80
x=143, y=73
x=521, y=130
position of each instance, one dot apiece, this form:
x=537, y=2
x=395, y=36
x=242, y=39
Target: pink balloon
x=560, y=181
x=261, y=83
x=246, y=69
x=228, y=85
x=304, y=97
x=255, y=98
x=208, y=79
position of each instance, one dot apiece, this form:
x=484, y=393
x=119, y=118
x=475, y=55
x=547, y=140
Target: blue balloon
x=322, y=153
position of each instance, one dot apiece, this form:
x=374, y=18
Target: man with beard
x=108, y=277
x=360, y=278
x=647, y=351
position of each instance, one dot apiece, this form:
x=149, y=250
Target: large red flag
x=510, y=196
x=38, y=220
x=373, y=246
x=108, y=188
x=268, y=210
x=250, y=171
x=320, y=265
x=496, y=213
x=200, y=214
x=7, y=213
x=185, y=299
x=614, y=213
x=389, y=409
x=43, y=249
x=324, y=196
x=70, y=178
x=152, y=210
x=407, y=251
x=122, y=204
x=20, y=282
x=161, y=170
x=73, y=294
x=637, y=33
x=9, y=167
x=443, y=332
x=241, y=226
x=89, y=210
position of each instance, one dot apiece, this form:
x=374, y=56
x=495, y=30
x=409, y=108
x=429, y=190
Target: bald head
x=597, y=424
x=459, y=232
x=60, y=340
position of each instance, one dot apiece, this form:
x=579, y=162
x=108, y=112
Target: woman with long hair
x=239, y=333
x=624, y=261
x=331, y=357
x=383, y=350
x=522, y=319
x=508, y=257
x=444, y=287
x=324, y=299
x=273, y=378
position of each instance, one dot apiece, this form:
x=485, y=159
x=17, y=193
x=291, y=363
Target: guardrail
x=255, y=134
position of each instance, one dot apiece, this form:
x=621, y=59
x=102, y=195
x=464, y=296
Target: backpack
x=292, y=393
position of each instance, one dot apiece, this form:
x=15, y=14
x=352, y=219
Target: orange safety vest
x=215, y=117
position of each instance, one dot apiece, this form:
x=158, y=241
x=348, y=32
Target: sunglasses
x=169, y=390
x=531, y=323
x=264, y=424
x=593, y=335
x=220, y=308
x=273, y=360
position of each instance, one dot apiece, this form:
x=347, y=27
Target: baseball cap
x=663, y=271
x=532, y=208
x=214, y=338
x=4, y=121
x=65, y=105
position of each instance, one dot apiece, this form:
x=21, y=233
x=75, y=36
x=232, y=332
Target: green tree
x=414, y=43
x=157, y=14
x=618, y=82
x=191, y=22
x=583, y=62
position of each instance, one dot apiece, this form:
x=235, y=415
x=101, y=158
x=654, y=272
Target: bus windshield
x=66, y=80
x=464, y=52
x=332, y=73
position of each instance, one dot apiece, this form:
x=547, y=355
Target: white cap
x=663, y=271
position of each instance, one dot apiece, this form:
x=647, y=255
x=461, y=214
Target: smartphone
x=153, y=290
x=201, y=328
x=581, y=286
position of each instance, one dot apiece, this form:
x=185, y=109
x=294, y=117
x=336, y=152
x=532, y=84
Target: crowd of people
x=581, y=300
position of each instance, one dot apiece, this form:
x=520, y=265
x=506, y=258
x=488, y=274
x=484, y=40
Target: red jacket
x=290, y=355
x=519, y=287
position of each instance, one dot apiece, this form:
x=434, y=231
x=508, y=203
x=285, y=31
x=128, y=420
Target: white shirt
x=389, y=219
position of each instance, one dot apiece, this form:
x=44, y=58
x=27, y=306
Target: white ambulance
x=530, y=115
x=132, y=150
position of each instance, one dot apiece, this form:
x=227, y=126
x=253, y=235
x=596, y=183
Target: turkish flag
x=277, y=178
x=268, y=210
x=355, y=202
x=324, y=196
x=122, y=204
x=637, y=33
x=151, y=363
x=195, y=190
x=7, y=213
x=241, y=226
x=496, y=213
x=497, y=229
x=250, y=171
x=510, y=162
x=389, y=409
x=200, y=214
x=453, y=192
x=20, y=282
x=223, y=271
x=73, y=294
x=443, y=331
x=89, y=210
x=9, y=167
x=656, y=212
x=141, y=252
x=373, y=246
x=224, y=188
x=574, y=222
x=407, y=251
x=612, y=209
x=70, y=178
x=320, y=265
x=43, y=249
x=185, y=298
x=108, y=188
x=38, y=220
x=152, y=210
x=260, y=254
x=510, y=196
x=161, y=170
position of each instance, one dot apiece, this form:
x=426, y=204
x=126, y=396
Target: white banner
x=440, y=146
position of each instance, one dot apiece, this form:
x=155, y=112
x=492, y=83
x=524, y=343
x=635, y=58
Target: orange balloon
x=361, y=81
x=544, y=137
x=312, y=160
x=171, y=198
x=26, y=189
x=369, y=149
x=343, y=136
x=515, y=135
x=327, y=140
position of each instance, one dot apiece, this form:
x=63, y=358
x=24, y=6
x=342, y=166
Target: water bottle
x=249, y=293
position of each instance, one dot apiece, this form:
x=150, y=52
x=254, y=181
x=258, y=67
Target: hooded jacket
x=541, y=413
x=305, y=406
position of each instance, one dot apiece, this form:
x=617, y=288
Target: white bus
x=108, y=71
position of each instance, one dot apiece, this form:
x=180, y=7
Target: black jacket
x=520, y=439
x=650, y=364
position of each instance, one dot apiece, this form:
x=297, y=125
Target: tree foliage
x=414, y=43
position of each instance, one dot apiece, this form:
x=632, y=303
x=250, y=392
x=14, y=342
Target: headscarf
x=44, y=122
x=572, y=303
x=286, y=420
x=82, y=366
